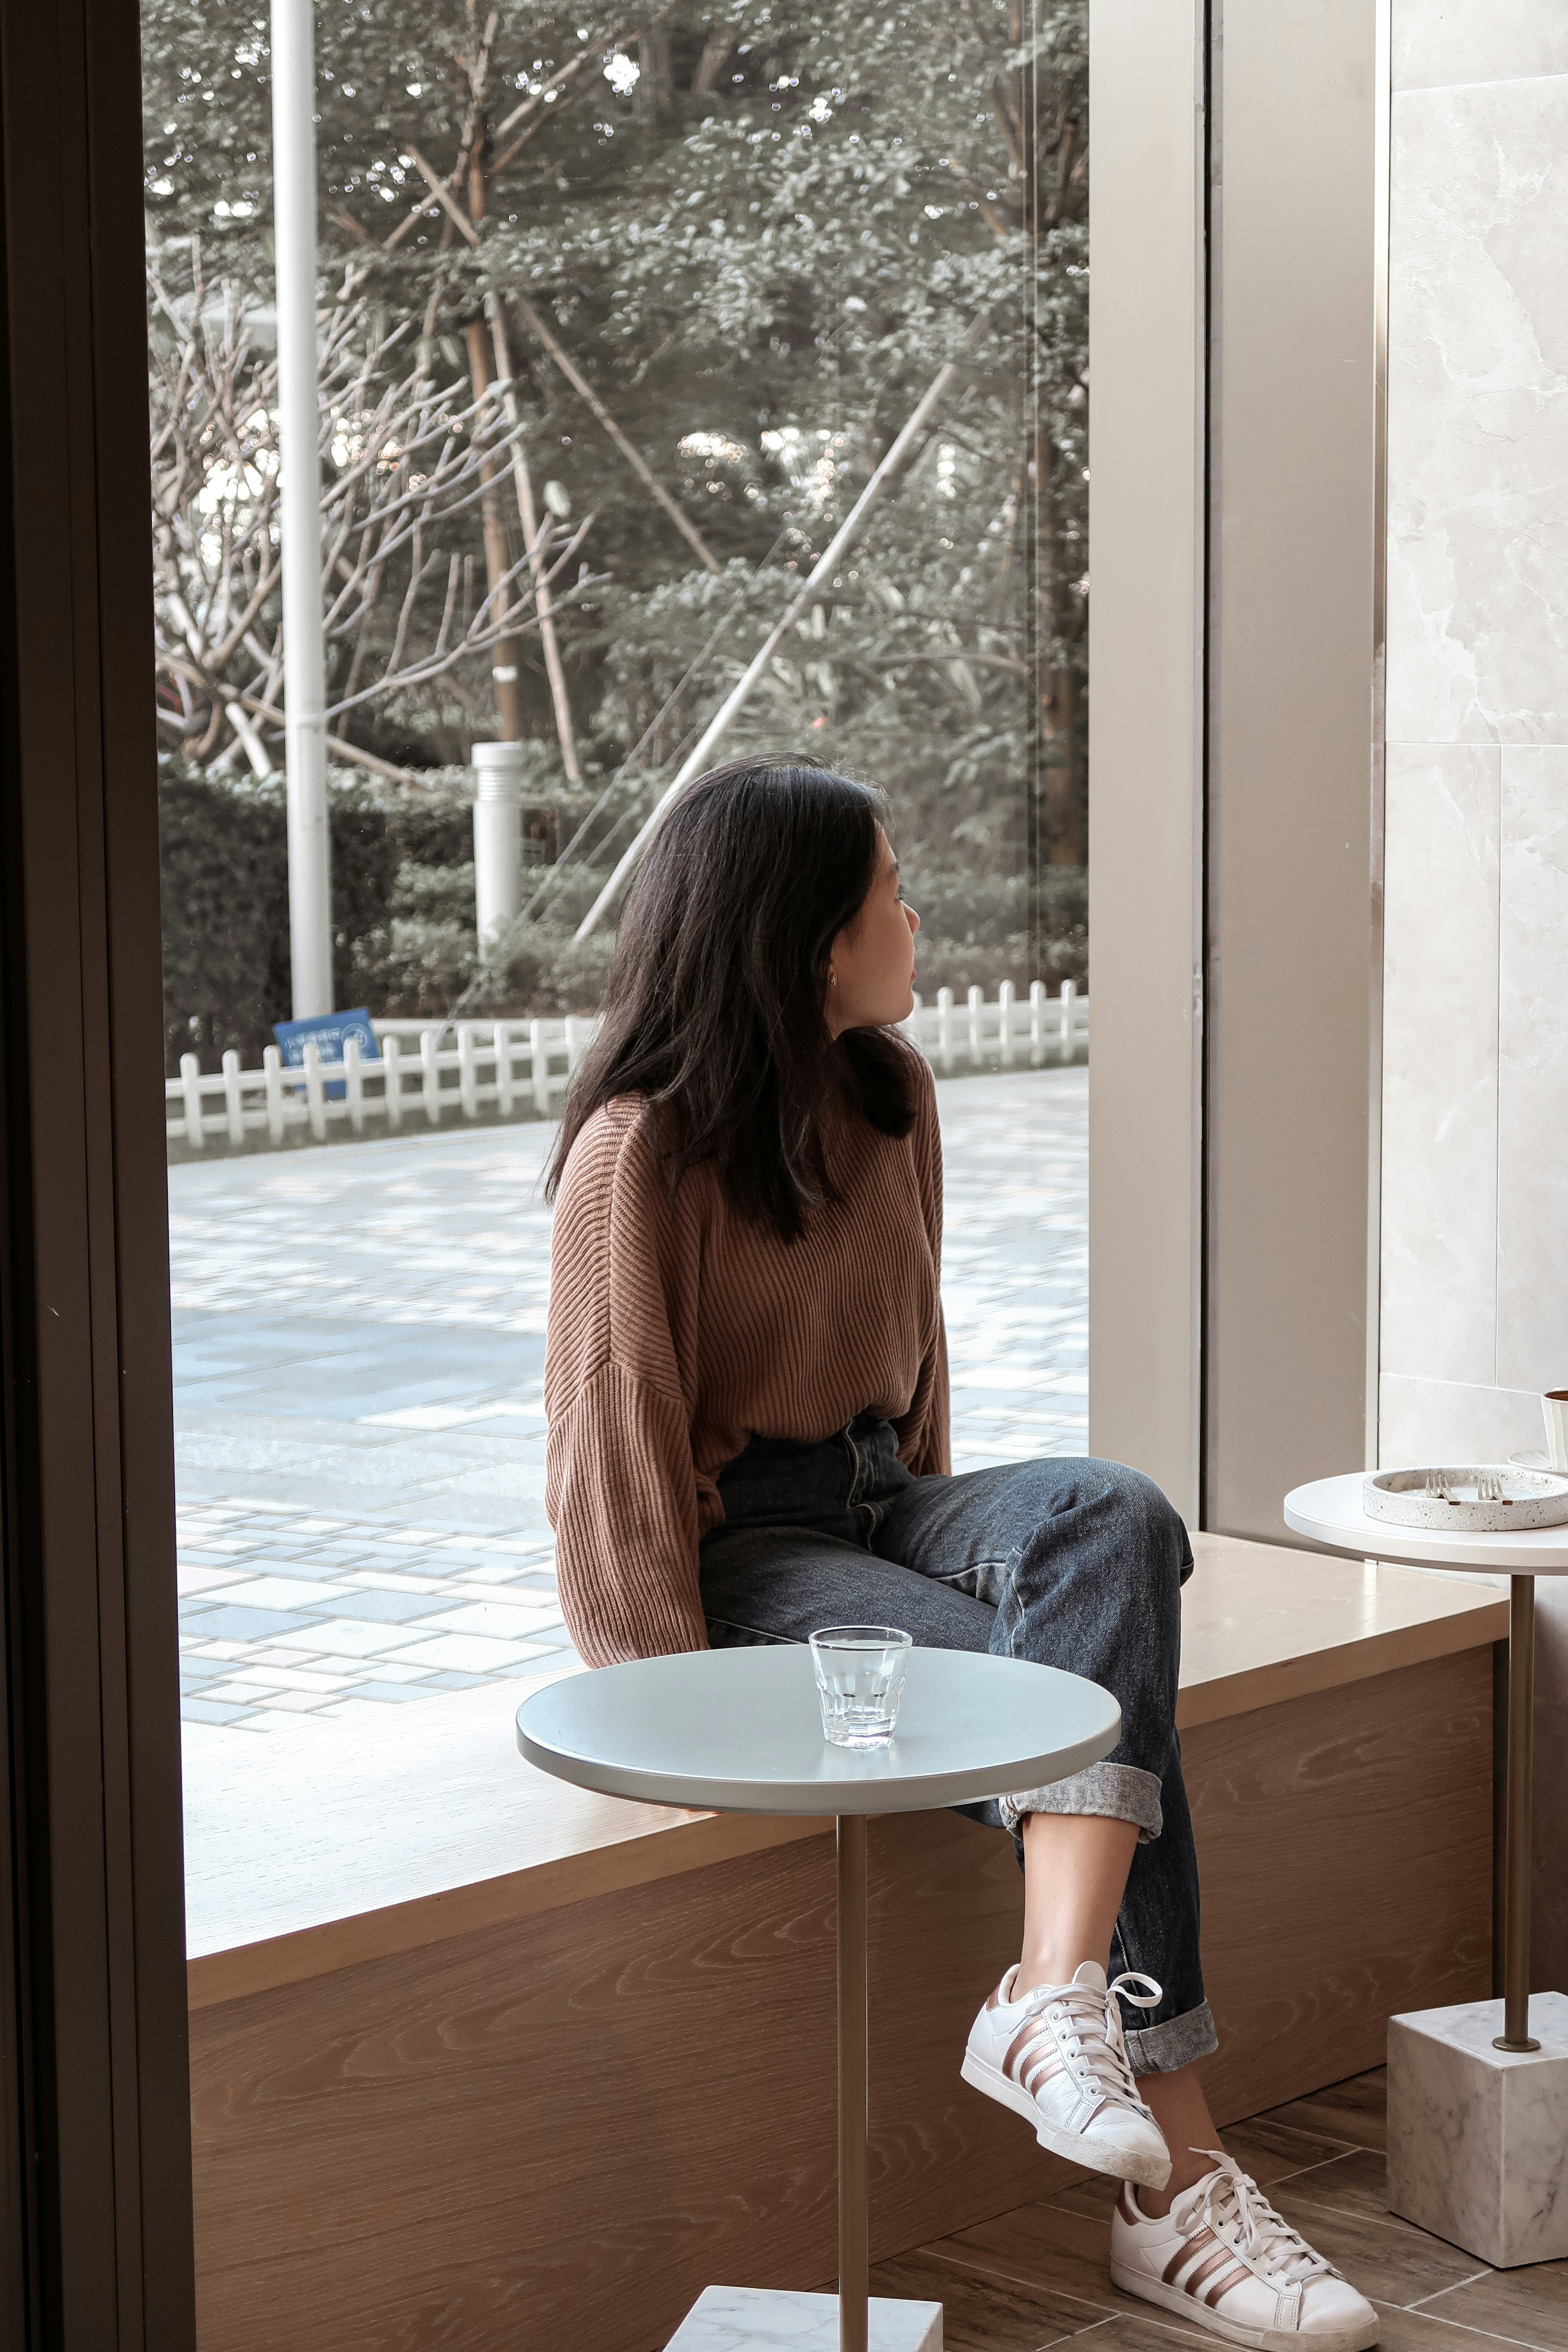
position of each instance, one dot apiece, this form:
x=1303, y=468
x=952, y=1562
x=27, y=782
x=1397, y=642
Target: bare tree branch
x=404, y=468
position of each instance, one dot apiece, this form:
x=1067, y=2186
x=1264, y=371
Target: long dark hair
x=715, y=1014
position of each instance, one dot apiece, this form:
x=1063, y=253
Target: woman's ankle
x=1048, y=1966
x=1188, y=2167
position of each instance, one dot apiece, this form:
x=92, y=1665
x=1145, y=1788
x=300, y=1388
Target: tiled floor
x=359, y=1344
x=1041, y=2274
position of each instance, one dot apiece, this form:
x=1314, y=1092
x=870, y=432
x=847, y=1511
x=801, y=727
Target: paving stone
x=191, y=1581
x=349, y=1637
x=284, y=1592
x=393, y=1608
x=240, y=1625
x=390, y=1527
x=473, y=1654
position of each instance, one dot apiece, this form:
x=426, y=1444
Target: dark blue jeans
x=1076, y=1564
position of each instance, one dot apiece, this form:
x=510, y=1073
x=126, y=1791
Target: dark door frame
x=95, y=2172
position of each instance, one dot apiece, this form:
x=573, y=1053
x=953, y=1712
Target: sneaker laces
x=1095, y=2048
x=1230, y=2201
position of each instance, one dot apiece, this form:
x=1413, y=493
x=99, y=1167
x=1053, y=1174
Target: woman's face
x=871, y=969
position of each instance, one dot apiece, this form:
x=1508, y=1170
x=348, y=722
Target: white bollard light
x=497, y=842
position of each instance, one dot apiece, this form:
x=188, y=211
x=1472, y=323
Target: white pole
x=299, y=404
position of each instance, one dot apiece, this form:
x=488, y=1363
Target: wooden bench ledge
x=1262, y=1622
x=347, y=1840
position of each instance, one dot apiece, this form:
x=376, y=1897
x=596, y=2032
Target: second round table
x=1331, y=1512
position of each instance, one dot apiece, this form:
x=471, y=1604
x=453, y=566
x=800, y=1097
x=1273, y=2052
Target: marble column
x=1474, y=1173
x=1477, y=2151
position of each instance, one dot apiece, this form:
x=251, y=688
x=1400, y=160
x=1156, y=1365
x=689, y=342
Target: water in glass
x=860, y=1674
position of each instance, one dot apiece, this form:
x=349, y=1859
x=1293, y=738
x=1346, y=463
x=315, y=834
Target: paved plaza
x=359, y=1354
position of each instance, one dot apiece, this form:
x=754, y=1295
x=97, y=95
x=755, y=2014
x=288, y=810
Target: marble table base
x=748, y=2319
x=1478, y=2137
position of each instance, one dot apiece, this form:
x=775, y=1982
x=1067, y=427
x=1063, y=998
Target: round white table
x=740, y=1731
x=1329, y=1511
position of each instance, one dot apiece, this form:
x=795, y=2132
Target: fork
x=1489, y=1488
x=1437, y=1487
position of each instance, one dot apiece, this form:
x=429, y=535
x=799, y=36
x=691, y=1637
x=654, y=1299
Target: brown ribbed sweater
x=678, y=1331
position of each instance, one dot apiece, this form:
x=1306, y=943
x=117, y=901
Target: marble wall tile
x=1477, y=616
x=1442, y=41
x=1532, y=1073
x=1453, y=1421
x=1439, y=1062
x=1478, y=415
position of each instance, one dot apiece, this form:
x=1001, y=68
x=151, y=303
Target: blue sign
x=329, y=1033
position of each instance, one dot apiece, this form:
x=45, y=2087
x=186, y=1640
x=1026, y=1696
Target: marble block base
x=748, y=2319
x=1478, y=2137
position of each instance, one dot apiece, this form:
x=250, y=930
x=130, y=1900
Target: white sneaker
x=1056, y=2057
x=1224, y=2260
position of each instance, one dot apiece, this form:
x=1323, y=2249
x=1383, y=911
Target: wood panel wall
x=1345, y=1846
x=552, y=2136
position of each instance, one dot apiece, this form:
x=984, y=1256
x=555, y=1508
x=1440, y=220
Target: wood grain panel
x=666, y=1842
x=559, y=2136
x=1344, y=1843
x=552, y=2133
x=518, y=2136
x=366, y=1838
x=1262, y=1623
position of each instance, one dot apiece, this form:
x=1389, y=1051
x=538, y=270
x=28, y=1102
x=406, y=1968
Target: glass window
x=615, y=343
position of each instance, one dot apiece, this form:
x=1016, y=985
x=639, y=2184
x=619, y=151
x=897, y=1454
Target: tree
x=751, y=232
x=403, y=466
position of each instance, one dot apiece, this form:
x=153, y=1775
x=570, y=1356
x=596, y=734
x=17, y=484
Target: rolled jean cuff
x=1118, y=1793
x=1161, y=2049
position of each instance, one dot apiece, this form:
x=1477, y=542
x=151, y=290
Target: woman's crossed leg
x=1096, y=2034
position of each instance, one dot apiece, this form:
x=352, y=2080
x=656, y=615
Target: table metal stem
x=854, y=2107
x=1515, y=2034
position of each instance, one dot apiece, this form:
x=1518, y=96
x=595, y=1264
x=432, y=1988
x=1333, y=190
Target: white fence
x=508, y=1069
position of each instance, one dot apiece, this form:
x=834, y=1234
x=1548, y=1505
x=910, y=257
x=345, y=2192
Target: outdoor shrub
x=403, y=906
x=223, y=855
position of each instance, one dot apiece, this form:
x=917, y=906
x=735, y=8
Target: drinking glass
x=861, y=1673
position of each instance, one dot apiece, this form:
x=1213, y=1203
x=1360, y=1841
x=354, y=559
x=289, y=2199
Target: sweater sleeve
x=929, y=1418
x=621, y=1486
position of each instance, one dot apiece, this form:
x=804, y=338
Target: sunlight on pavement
x=359, y=1342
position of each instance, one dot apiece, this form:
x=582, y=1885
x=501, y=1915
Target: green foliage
x=759, y=250
x=403, y=915
x=224, y=863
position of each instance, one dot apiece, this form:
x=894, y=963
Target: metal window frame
x=1236, y=818
x=1148, y=377
x=96, y=2174
x=1294, y=946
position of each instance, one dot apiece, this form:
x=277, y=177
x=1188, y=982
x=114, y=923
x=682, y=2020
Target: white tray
x=1532, y=1498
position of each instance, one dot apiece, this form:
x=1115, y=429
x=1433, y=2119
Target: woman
x=746, y=1385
